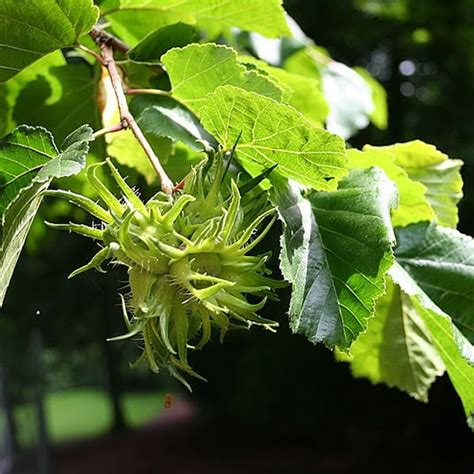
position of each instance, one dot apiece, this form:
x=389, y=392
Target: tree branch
x=106, y=43
x=101, y=37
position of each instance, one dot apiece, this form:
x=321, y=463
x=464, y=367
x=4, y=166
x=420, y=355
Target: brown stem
x=147, y=91
x=100, y=37
x=114, y=128
x=179, y=186
x=127, y=119
x=89, y=51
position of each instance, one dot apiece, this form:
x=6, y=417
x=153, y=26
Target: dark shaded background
x=273, y=403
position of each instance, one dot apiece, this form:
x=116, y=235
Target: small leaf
x=29, y=160
x=29, y=30
x=441, y=261
x=199, y=69
x=274, y=133
x=72, y=158
x=153, y=46
x=336, y=251
x=441, y=176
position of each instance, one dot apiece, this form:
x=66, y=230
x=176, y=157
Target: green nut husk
x=188, y=260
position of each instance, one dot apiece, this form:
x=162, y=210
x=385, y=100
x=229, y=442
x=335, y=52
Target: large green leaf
x=272, y=133
x=29, y=30
x=10, y=90
x=198, y=69
x=336, y=251
x=29, y=159
x=441, y=261
x=165, y=117
x=446, y=339
x=157, y=43
x=142, y=16
x=303, y=93
x=16, y=223
x=413, y=205
x=397, y=347
x=440, y=175
x=60, y=99
x=455, y=350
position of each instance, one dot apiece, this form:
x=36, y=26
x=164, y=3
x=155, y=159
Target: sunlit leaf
x=336, y=250
x=440, y=175
x=197, y=70
x=29, y=30
x=272, y=133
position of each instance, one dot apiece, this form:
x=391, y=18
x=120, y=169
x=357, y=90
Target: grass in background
x=81, y=413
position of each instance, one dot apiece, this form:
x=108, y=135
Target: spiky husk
x=188, y=259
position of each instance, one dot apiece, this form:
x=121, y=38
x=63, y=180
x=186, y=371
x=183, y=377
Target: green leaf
x=73, y=155
x=153, y=46
x=303, y=64
x=166, y=117
x=16, y=223
x=455, y=350
x=273, y=133
x=349, y=98
x=413, y=204
x=60, y=99
x=397, y=347
x=29, y=160
x=263, y=16
x=379, y=116
x=336, y=251
x=446, y=339
x=303, y=93
x=441, y=261
x=198, y=70
x=440, y=175
x=29, y=30
x=10, y=90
